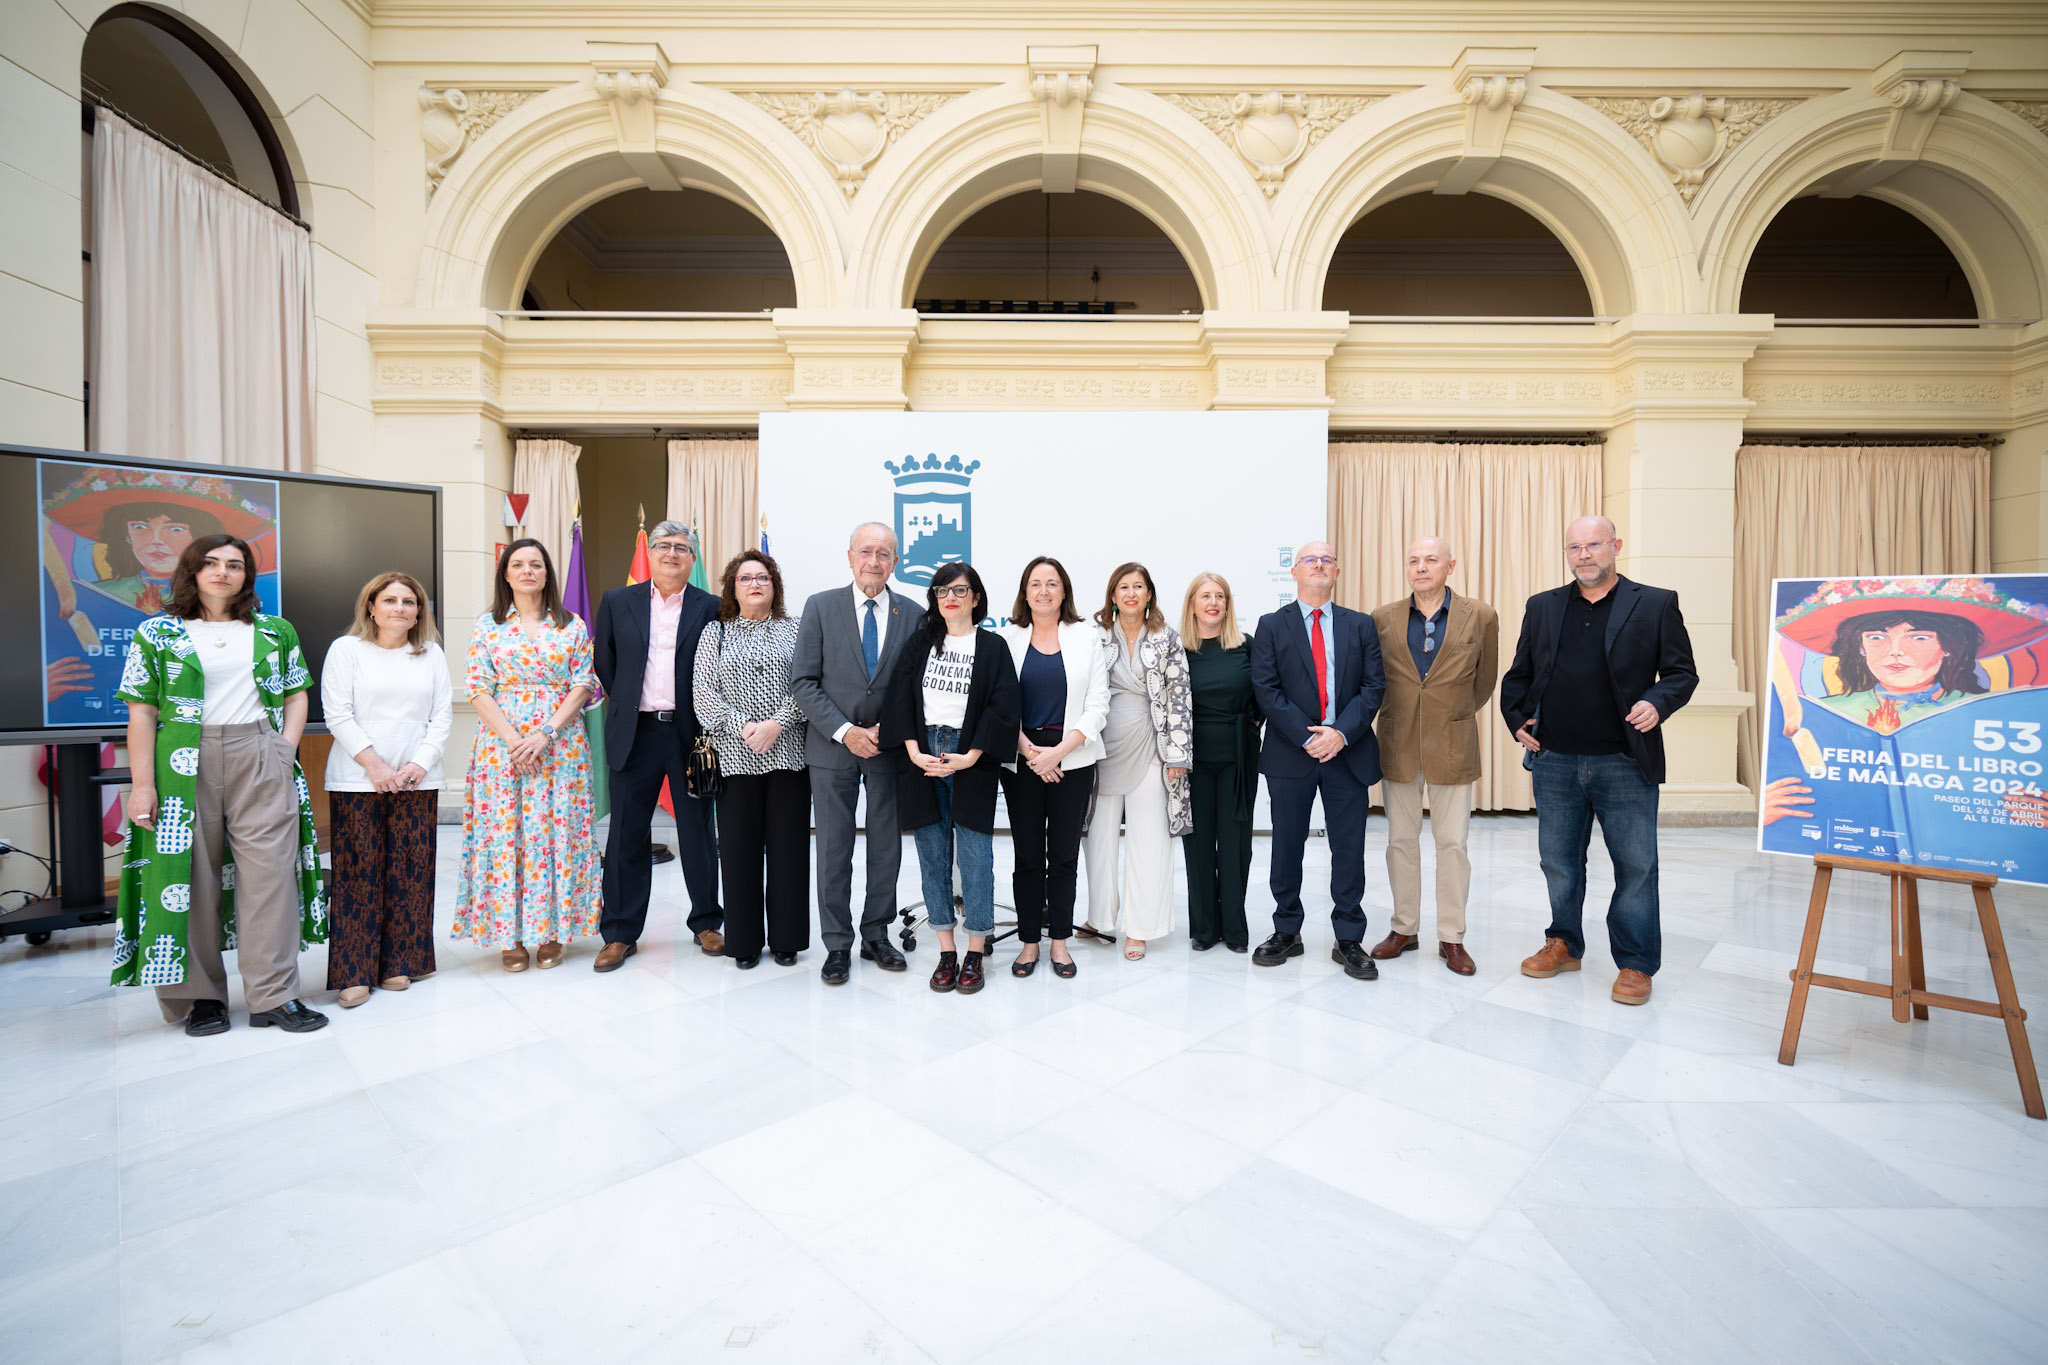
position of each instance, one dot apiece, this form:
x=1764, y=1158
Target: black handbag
x=702, y=775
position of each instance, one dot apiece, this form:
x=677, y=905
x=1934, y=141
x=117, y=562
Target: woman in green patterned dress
x=220, y=847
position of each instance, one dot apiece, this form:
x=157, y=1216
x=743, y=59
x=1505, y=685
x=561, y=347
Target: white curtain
x=202, y=313
x=715, y=487
x=1503, y=508
x=546, y=472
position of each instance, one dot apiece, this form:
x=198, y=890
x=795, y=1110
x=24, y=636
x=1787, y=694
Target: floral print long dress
x=529, y=863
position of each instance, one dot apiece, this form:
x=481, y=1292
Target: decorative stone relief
x=2033, y=111
x=1689, y=134
x=849, y=131
x=1272, y=130
x=451, y=119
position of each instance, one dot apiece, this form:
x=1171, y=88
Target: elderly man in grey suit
x=846, y=647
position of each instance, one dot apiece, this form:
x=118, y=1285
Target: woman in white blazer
x=1141, y=782
x=1064, y=685
x=385, y=692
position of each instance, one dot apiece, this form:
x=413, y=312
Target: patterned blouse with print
x=741, y=675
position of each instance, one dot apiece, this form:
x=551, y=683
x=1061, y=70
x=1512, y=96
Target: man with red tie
x=1317, y=676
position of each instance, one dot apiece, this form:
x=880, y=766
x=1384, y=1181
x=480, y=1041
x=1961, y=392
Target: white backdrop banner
x=1181, y=492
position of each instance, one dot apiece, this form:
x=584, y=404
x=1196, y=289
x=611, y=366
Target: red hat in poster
x=84, y=506
x=2007, y=622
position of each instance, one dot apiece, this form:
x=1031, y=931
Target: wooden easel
x=1908, y=988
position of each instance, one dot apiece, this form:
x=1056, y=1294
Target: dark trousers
x=382, y=898
x=764, y=825
x=1345, y=802
x=1571, y=790
x=1219, y=856
x=1045, y=833
x=657, y=753
x=834, y=792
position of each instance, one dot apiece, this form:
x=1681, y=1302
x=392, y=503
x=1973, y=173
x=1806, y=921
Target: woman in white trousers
x=1142, y=780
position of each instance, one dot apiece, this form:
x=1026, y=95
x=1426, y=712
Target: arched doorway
x=1080, y=253
x=648, y=251
x=1468, y=255
x=1854, y=258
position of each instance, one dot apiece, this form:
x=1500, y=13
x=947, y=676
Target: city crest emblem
x=934, y=515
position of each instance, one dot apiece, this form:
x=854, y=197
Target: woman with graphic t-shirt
x=952, y=713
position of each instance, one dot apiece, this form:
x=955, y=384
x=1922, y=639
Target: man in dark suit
x=1602, y=662
x=645, y=648
x=846, y=647
x=1317, y=675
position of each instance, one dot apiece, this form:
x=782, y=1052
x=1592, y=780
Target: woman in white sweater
x=386, y=696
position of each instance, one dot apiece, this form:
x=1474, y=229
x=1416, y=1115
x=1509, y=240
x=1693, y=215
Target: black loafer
x=1200, y=946
x=292, y=1016
x=1238, y=947
x=785, y=959
x=883, y=954
x=747, y=964
x=1358, y=965
x=1277, y=950
x=208, y=1017
x=838, y=966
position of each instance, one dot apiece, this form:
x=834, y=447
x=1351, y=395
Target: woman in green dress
x=1226, y=771
x=220, y=847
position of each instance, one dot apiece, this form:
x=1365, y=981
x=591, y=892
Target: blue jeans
x=1571, y=789
x=936, y=848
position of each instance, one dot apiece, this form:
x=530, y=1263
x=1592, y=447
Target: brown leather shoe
x=1632, y=987
x=613, y=955
x=515, y=958
x=1456, y=958
x=550, y=955
x=1395, y=944
x=1554, y=958
x=711, y=941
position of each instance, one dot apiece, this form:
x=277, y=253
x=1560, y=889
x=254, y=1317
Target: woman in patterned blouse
x=744, y=705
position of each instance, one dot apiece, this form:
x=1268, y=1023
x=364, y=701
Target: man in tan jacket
x=1441, y=653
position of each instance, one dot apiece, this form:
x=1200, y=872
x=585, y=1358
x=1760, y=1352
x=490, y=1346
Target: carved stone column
x=1669, y=488
x=1271, y=360
x=2019, y=468
x=847, y=359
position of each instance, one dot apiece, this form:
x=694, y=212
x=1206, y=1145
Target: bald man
x=1602, y=663
x=1442, y=654
x=1317, y=676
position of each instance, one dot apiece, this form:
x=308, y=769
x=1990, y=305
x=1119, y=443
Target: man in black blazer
x=1602, y=663
x=846, y=648
x=649, y=729
x=1316, y=673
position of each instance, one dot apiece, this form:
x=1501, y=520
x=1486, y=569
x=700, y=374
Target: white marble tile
x=404, y=1047
x=1653, y=1071
x=69, y=1213
x=793, y=1312
x=1243, y=1099
x=1964, y=1156
x=435, y=1309
x=980, y=1095
x=428, y=1108
x=1618, y=1155
x=286, y=1248
x=1126, y=1166
x=1095, y=1043
x=1510, y=1103
x=57, y=1310
x=67, y=1130
x=1766, y=1155
x=1431, y=1172
x=1554, y=1047
x=1510, y=1296
x=733, y=1089
x=1337, y=1274
x=1339, y=1049
x=163, y=1113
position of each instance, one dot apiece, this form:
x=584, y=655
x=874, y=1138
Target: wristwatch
x=549, y=731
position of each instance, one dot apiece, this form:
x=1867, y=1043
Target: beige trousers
x=1142, y=906
x=1450, y=815
x=248, y=802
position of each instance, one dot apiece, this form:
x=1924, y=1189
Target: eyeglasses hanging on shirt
x=1429, y=636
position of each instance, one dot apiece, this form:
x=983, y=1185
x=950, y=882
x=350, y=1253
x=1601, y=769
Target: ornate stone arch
x=559, y=152
x=1977, y=184
x=988, y=146
x=1559, y=163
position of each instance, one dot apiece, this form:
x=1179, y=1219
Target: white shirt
x=947, y=677
x=391, y=700
x=227, y=656
x=860, y=623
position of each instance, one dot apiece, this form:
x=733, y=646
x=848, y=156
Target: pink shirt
x=658, y=688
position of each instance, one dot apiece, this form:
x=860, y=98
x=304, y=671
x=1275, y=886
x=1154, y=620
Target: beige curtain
x=1503, y=508
x=715, y=487
x=202, y=313
x=1840, y=512
x=545, y=470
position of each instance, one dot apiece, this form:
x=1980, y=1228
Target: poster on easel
x=1907, y=722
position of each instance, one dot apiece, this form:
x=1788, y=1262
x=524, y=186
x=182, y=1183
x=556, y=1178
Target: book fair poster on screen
x=1907, y=722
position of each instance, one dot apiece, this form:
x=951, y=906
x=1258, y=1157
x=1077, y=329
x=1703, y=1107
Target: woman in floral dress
x=529, y=865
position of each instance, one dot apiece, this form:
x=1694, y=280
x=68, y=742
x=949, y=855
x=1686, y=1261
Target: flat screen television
x=98, y=536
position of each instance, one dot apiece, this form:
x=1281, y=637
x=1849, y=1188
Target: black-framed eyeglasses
x=953, y=590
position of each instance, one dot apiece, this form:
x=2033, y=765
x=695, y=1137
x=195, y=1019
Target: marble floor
x=1182, y=1159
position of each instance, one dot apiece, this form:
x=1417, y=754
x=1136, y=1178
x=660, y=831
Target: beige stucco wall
x=421, y=379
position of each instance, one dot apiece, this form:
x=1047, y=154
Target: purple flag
x=576, y=597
